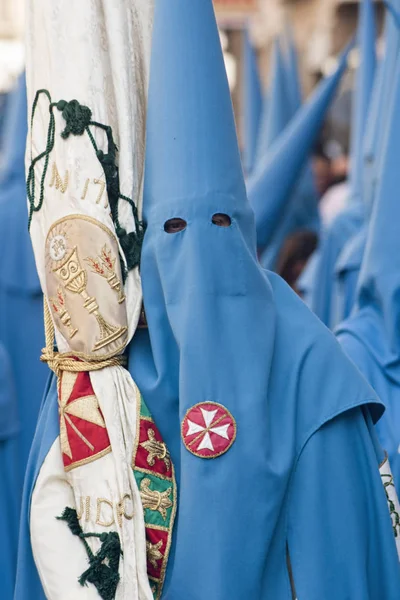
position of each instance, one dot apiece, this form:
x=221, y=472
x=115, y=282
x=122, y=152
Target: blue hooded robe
x=21, y=299
x=370, y=336
x=9, y=476
x=221, y=330
x=347, y=268
x=324, y=301
x=273, y=180
x=302, y=210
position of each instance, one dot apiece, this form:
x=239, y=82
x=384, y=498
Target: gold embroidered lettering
x=87, y=508
x=79, y=513
x=99, y=521
x=121, y=510
x=85, y=189
x=57, y=181
x=103, y=185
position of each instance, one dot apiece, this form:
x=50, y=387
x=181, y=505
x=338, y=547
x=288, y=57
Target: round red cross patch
x=208, y=430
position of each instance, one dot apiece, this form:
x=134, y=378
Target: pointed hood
x=189, y=104
x=380, y=273
x=203, y=364
x=274, y=178
x=366, y=35
x=252, y=103
x=280, y=106
x=308, y=213
x=293, y=72
x=280, y=110
x=18, y=272
x=378, y=118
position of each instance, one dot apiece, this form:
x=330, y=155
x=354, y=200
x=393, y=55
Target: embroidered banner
x=154, y=474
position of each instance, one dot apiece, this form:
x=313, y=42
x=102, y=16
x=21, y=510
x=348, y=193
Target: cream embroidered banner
x=87, y=77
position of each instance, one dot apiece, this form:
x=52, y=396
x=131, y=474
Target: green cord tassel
x=103, y=571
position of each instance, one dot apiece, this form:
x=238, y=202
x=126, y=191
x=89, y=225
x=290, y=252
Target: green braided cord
x=30, y=183
x=78, y=119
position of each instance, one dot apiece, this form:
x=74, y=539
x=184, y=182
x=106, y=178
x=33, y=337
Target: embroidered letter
x=100, y=502
x=87, y=509
x=85, y=189
x=57, y=181
x=121, y=510
x=79, y=513
x=103, y=185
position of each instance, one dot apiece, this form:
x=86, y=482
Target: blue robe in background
x=328, y=296
x=301, y=213
x=252, y=104
x=347, y=271
x=275, y=176
x=21, y=298
x=371, y=335
x=9, y=476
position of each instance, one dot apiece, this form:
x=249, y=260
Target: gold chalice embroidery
x=74, y=279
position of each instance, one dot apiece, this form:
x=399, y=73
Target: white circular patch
x=58, y=248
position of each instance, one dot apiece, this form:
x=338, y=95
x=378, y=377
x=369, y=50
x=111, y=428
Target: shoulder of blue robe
x=340, y=537
x=9, y=480
x=363, y=339
x=310, y=358
x=28, y=584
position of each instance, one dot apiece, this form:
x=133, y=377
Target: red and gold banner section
x=83, y=433
x=154, y=474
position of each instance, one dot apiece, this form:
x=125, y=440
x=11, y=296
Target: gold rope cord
x=66, y=361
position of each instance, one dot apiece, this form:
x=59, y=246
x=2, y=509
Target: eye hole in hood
x=221, y=220
x=174, y=225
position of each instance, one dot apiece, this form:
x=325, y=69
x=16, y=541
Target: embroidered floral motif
x=153, y=553
x=155, y=450
x=155, y=500
x=155, y=478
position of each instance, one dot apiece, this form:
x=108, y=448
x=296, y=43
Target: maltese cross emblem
x=208, y=430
